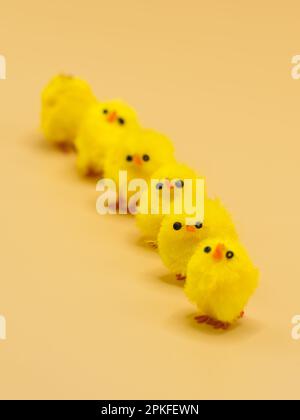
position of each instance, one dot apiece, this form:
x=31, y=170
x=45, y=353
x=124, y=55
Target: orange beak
x=169, y=185
x=219, y=252
x=137, y=160
x=191, y=229
x=112, y=117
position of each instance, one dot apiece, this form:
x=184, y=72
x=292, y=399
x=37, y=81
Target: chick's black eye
x=121, y=121
x=159, y=186
x=129, y=158
x=207, y=250
x=146, y=158
x=105, y=111
x=199, y=225
x=177, y=226
x=229, y=255
x=179, y=184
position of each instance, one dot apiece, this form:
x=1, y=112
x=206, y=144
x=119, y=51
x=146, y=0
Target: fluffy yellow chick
x=178, y=240
x=220, y=280
x=100, y=131
x=139, y=153
x=64, y=101
x=168, y=179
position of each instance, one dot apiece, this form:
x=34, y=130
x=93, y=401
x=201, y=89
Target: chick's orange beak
x=112, y=117
x=219, y=252
x=170, y=186
x=191, y=229
x=137, y=160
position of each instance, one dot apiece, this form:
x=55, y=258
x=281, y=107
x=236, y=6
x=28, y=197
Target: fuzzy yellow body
x=64, y=102
x=163, y=187
x=140, y=153
x=221, y=279
x=176, y=247
x=101, y=129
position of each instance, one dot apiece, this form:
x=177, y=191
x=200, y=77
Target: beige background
x=92, y=314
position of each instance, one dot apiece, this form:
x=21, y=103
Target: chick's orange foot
x=217, y=325
x=180, y=277
x=93, y=173
x=66, y=148
x=152, y=244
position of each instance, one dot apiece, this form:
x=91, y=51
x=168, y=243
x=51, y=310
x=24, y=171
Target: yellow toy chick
x=139, y=154
x=64, y=102
x=100, y=131
x=178, y=240
x=220, y=280
x=168, y=180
